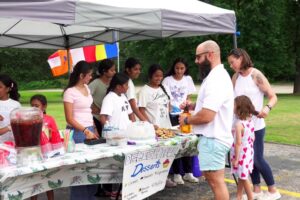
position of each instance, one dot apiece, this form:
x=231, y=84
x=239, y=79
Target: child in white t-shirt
x=115, y=107
x=154, y=103
x=154, y=99
x=181, y=86
x=9, y=97
x=133, y=70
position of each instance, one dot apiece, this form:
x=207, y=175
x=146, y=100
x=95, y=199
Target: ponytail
x=81, y=67
x=118, y=79
x=164, y=90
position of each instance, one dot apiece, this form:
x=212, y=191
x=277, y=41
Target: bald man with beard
x=213, y=115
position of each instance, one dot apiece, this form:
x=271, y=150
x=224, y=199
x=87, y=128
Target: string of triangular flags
x=58, y=61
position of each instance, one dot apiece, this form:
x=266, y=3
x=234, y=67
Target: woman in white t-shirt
x=133, y=70
x=77, y=105
x=9, y=97
x=181, y=86
x=115, y=108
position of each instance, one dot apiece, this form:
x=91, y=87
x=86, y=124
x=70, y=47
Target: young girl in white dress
x=242, y=149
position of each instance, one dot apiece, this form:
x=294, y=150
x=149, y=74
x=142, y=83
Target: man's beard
x=205, y=68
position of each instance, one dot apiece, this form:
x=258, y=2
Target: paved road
x=284, y=160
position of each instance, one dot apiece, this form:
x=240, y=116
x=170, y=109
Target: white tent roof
x=59, y=24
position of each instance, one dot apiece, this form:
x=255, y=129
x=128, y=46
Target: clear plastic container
x=114, y=136
x=26, y=124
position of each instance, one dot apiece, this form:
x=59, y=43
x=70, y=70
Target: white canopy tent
x=64, y=24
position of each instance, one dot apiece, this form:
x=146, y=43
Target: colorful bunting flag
x=58, y=60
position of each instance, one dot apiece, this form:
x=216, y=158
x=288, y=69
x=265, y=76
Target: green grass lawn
x=283, y=122
x=55, y=106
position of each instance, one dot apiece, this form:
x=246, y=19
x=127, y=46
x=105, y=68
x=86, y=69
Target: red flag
x=89, y=53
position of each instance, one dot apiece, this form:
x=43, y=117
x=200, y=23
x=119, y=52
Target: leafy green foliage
x=270, y=32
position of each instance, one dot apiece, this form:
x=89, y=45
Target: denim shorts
x=212, y=154
x=78, y=135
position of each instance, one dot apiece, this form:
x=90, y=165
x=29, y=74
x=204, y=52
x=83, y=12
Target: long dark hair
x=118, y=79
x=104, y=66
x=246, y=60
x=172, y=69
x=130, y=63
x=41, y=98
x=152, y=69
x=81, y=67
x=12, y=85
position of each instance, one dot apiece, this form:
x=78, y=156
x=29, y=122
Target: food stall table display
x=87, y=165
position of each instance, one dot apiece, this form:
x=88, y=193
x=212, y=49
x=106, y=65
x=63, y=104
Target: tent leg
x=234, y=41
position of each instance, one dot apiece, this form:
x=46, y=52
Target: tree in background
x=292, y=27
x=269, y=32
x=266, y=33
x=29, y=68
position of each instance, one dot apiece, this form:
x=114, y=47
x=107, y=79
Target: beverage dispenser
x=26, y=124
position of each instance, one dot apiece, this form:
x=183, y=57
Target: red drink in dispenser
x=27, y=133
x=26, y=124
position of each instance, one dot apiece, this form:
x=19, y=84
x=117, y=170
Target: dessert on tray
x=163, y=133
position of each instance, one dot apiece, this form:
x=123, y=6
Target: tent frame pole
x=234, y=41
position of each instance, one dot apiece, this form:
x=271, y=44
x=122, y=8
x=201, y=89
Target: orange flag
x=58, y=62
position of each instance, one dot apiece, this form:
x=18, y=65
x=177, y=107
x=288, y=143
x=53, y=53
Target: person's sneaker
x=190, y=178
x=178, y=179
x=170, y=183
x=270, y=196
x=258, y=195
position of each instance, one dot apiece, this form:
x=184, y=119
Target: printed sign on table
x=146, y=172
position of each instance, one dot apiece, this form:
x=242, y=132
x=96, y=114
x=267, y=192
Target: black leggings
x=186, y=163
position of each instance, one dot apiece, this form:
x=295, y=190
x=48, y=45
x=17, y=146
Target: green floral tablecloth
x=87, y=165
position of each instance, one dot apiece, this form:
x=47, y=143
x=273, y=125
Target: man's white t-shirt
x=6, y=107
x=130, y=94
x=179, y=89
x=156, y=104
x=216, y=94
x=117, y=108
